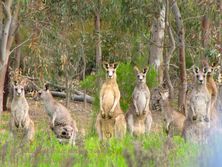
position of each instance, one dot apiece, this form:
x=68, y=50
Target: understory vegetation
x=155, y=149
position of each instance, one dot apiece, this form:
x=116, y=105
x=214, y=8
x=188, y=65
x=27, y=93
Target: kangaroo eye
x=22, y=89
x=16, y=89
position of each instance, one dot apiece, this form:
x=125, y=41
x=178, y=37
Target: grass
x=152, y=150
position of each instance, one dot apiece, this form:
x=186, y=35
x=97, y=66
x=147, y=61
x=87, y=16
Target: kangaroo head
x=18, y=90
x=200, y=76
x=164, y=94
x=44, y=94
x=141, y=75
x=110, y=69
x=212, y=68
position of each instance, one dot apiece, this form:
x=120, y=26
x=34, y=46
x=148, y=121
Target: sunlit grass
x=155, y=149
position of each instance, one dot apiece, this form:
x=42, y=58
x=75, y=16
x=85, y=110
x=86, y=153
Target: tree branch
x=18, y=46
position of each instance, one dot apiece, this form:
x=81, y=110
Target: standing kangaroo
x=110, y=121
x=173, y=119
x=211, y=86
x=62, y=123
x=20, y=120
x=139, y=118
x=197, y=122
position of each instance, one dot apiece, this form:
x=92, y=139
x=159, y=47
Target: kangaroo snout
x=194, y=118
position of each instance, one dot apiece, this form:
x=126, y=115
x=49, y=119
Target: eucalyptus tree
x=8, y=26
x=157, y=40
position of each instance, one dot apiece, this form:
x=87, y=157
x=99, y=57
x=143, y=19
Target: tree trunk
x=74, y=97
x=6, y=88
x=3, y=70
x=168, y=53
x=156, y=42
x=182, y=61
x=7, y=38
x=17, y=52
x=205, y=31
x=219, y=24
x=98, y=41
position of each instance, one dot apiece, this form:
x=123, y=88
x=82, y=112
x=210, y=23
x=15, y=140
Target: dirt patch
x=82, y=115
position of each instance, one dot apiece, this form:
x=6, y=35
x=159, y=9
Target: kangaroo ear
x=205, y=70
x=105, y=65
x=47, y=86
x=217, y=68
x=145, y=70
x=115, y=65
x=15, y=83
x=195, y=69
x=215, y=63
x=136, y=69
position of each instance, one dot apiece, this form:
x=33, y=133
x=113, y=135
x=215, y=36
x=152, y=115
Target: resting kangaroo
x=173, y=119
x=110, y=121
x=197, y=122
x=139, y=118
x=20, y=120
x=62, y=123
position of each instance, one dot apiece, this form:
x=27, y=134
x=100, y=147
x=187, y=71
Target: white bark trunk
x=98, y=41
x=156, y=42
x=5, y=34
x=182, y=61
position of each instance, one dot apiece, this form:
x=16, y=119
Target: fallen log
x=63, y=88
x=74, y=97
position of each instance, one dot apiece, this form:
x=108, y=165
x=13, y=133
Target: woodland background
x=65, y=43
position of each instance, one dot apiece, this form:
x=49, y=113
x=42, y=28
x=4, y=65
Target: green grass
x=150, y=150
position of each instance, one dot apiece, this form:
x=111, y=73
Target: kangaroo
x=139, y=118
x=173, y=119
x=62, y=124
x=110, y=120
x=211, y=86
x=20, y=120
x=197, y=122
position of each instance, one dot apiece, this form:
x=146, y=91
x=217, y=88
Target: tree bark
x=168, y=53
x=182, y=61
x=17, y=52
x=6, y=88
x=98, y=40
x=7, y=39
x=205, y=31
x=219, y=24
x=156, y=42
x=4, y=53
x=3, y=70
x=166, y=62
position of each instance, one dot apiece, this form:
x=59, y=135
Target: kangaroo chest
x=108, y=98
x=19, y=109
x=199, y=103
x=141, y=100
x=50, y=108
